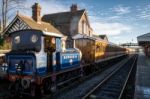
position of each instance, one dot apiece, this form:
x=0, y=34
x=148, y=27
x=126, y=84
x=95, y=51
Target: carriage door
x=50, y=47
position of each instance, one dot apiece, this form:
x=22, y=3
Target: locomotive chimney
x=74, y=8
x=36, y=12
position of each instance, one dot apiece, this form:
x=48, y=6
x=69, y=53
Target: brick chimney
x=36, y=12
x=74, y=8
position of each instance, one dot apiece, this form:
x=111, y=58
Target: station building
x=69, y=24
x=144, y=41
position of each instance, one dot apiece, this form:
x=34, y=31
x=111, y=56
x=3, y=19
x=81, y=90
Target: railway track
x=79, y=89
x=80, y=95
x=112, y=87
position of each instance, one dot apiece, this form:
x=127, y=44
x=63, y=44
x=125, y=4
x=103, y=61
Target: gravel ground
x=4, y=89
x=82, y=88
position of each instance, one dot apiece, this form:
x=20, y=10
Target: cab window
x=50, y=44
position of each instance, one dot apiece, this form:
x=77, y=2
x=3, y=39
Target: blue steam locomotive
x=38, y=62
x=35, y=60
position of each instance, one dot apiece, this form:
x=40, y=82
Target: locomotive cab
x=33, y=52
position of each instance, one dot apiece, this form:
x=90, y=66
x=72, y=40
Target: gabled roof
x=33, y=24
x=62, y=17
x=39, y=26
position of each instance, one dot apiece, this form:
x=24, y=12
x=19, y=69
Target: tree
x=1, y=41
x=8, y=7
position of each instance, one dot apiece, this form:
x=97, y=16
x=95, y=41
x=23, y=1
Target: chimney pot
x=74, y=8
x=36, y=12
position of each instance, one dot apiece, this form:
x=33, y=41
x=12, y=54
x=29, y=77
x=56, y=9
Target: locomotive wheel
x=82, y=73
x=47, y=86
x=53, y=87
x=35, y=91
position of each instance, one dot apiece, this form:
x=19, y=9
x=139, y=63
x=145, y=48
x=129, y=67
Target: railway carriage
x=95, y=49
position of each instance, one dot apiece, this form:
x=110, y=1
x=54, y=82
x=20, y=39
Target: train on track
x=37, y=63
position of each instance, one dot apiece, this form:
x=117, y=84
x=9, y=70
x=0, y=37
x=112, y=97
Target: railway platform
x=142, y=84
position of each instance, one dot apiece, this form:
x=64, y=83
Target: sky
x=121, y=20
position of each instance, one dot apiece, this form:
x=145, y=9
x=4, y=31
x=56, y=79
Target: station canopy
x=144, y=39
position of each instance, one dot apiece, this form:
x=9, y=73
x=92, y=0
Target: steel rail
x=103, y=81
x=127, y=78
x=82, y=80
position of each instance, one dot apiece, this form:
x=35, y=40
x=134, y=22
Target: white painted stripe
x=52, y=34
x=2, y=55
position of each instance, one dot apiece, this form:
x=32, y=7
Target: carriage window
x=98, y=47
x=50, y=44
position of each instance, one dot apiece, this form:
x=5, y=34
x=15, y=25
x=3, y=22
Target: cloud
x=53, y=7
x=48, y=6
x=102, y=27
x=144, y=13
x=114, y=18
x=121, y=9
x=116, y=37
x=145, y=26
x=110, y=28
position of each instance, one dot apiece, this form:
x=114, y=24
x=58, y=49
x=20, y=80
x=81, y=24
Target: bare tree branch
x=9, y=6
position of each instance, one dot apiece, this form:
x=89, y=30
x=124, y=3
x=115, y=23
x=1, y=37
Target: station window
x=82, y=27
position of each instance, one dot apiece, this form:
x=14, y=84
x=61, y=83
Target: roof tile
x=44, y=26
x=62, y=17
